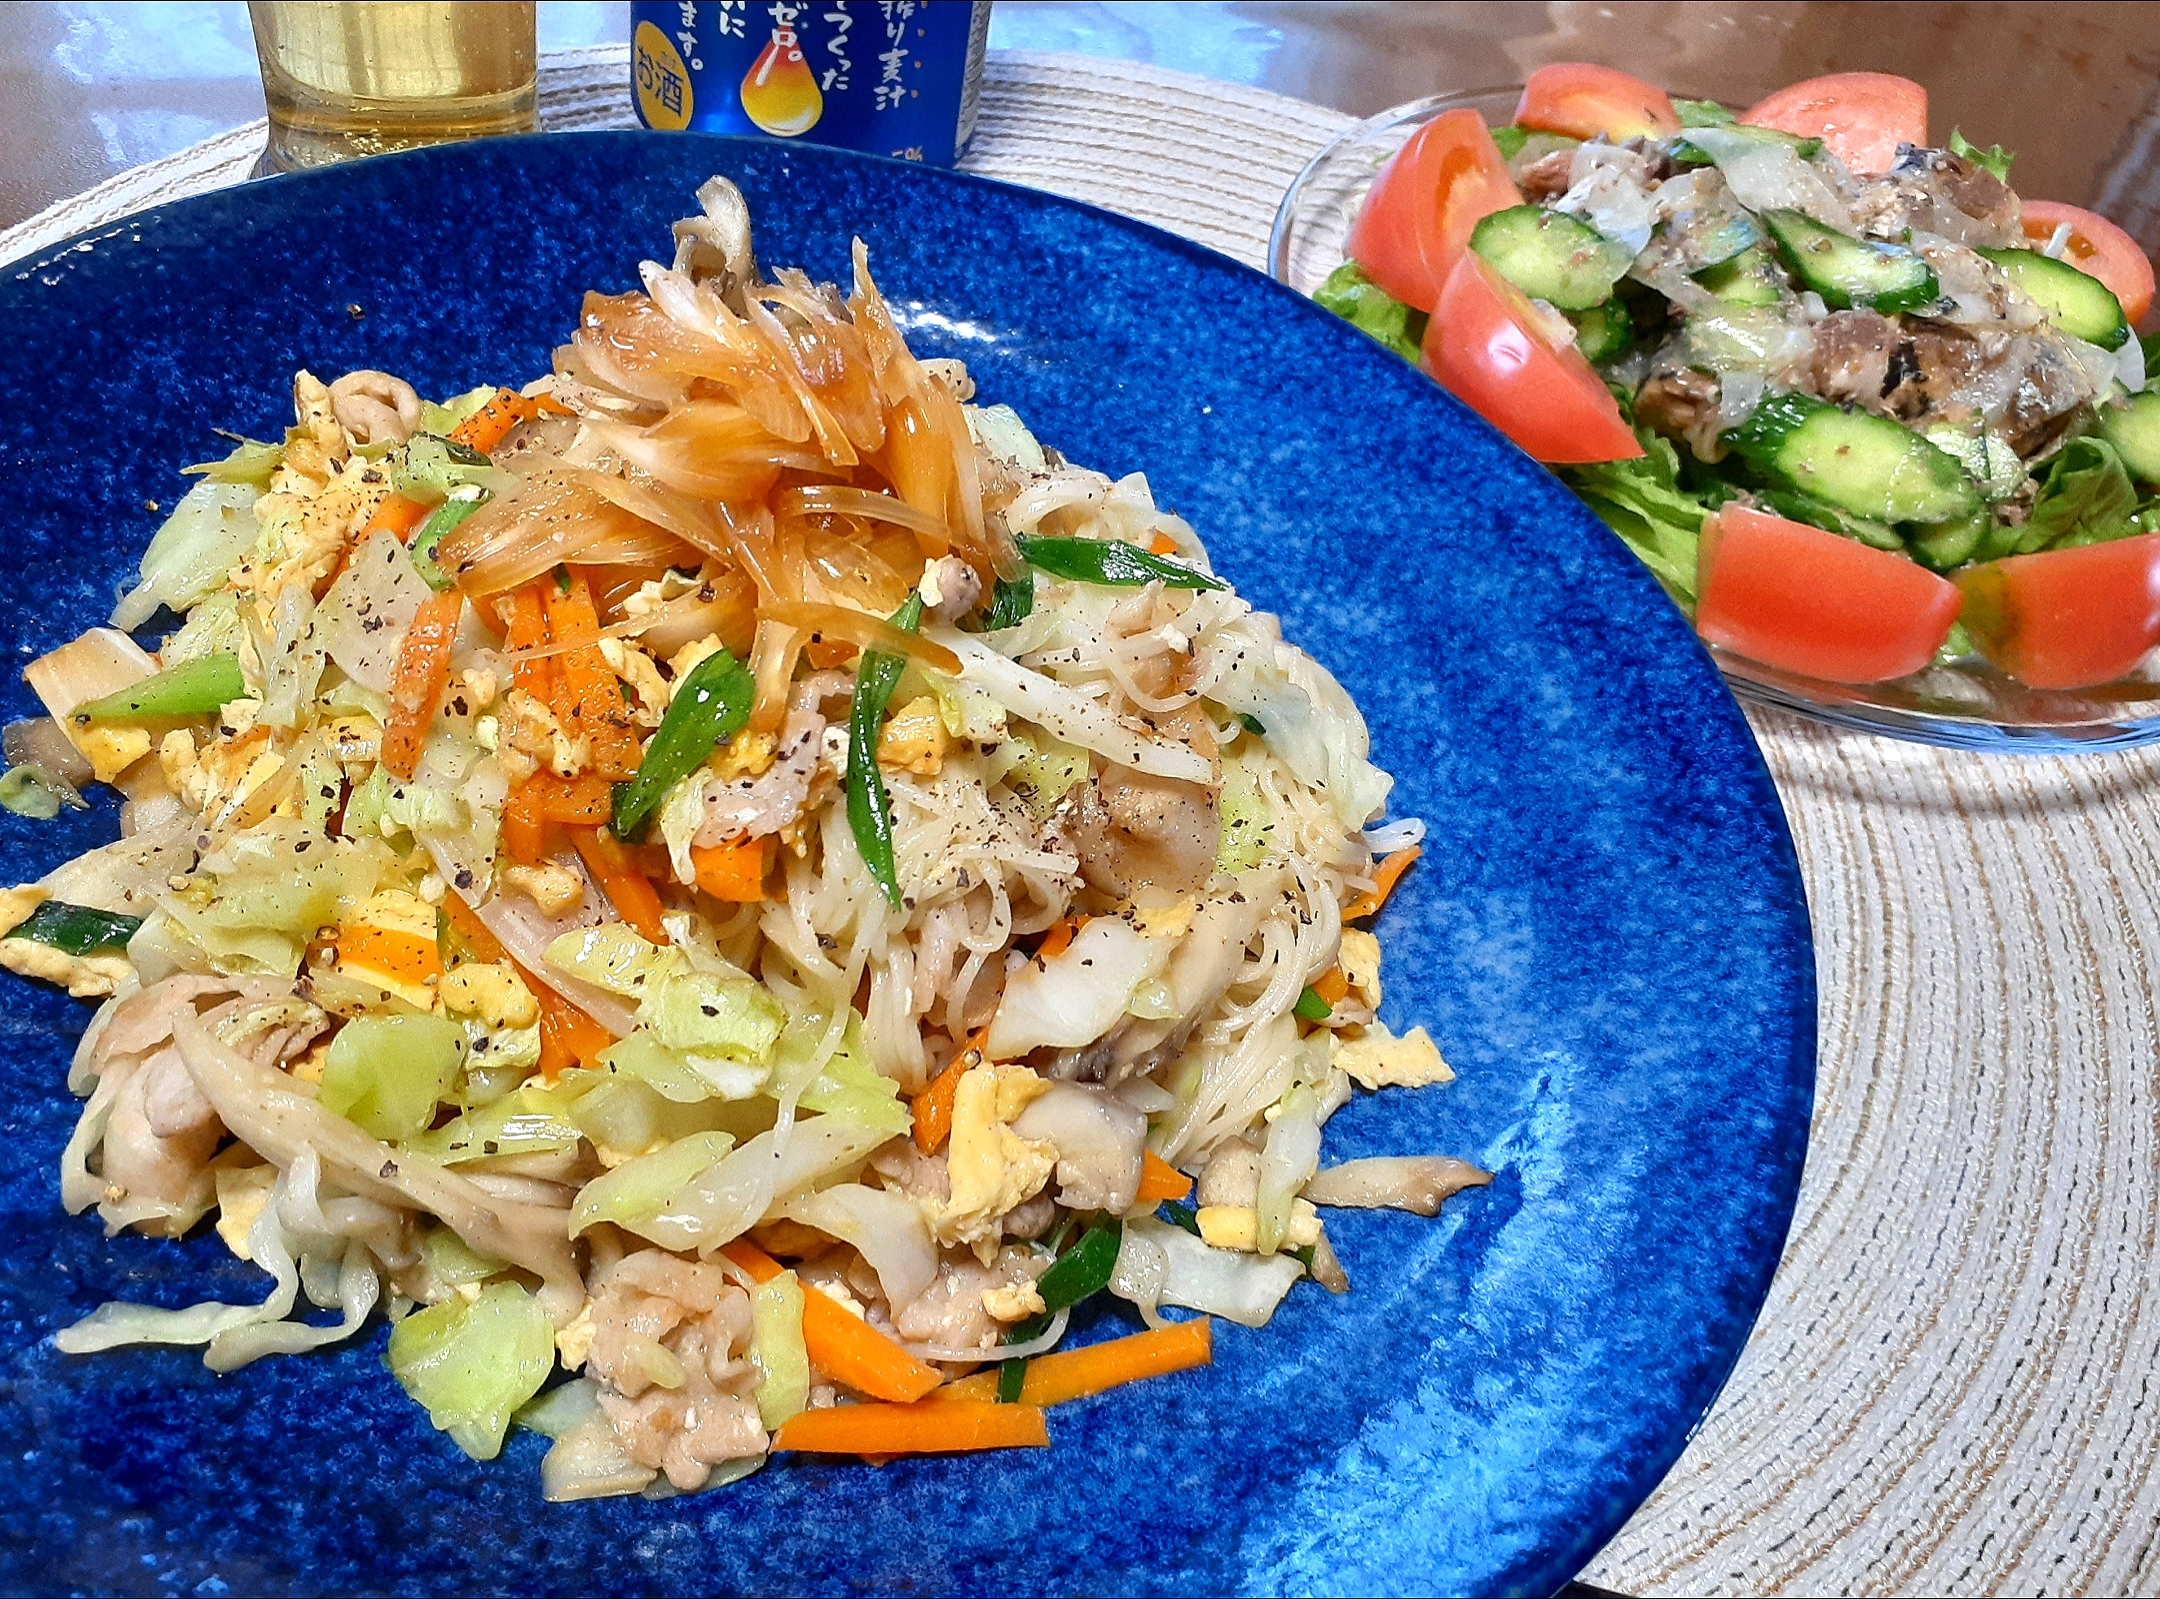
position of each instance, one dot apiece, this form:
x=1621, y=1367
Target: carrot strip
x=568, y=1037
x=1077, y=1373
x=1159, y=1180
x=417, y=680
x=1385, y=878
x=843, y=1346
x=937, y=1429
x=934, y=1105
x=587, y=800
x=1332, y=985
x=1055, y=941
x=488, y=426
x=733, y=872
x=466, y=923
x=524, y=828
x=405, y=956
x=627, y=888
x=525, y=628
x=396, y=514
x=1162, y=544
x=588, y=698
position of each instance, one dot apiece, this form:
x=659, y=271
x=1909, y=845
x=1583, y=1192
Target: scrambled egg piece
x=1014, y=1302
x=685, y=660
x=1238, y=1226
x=637, y=669
x=355, y=741
x=1165, y=921
x=990, y=1167
x=84, y=976
x=110, y=747
x=225, y=776
x=393, y=910
x=1379, y=1059
x=493, y=992
x=529, y=737
x=242, y=1192
x=747, y=754
x=554, y=889
x=16, y=904
x=1360, y=956
x=914, y=739
x=483, y=685
x=575, y=1340
x=398, y=910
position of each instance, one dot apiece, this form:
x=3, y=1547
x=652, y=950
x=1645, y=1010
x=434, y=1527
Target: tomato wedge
x=1862, y=116
x=1484, y=344
x=2067, y=618
x=1417, y=217
x=1584, y=101
x=2099, y=248
x=1795, y=597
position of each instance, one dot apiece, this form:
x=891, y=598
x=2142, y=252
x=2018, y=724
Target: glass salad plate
x=1608, y=935
x=1966, y=703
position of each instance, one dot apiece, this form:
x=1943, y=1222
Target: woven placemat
x=1948, y=1391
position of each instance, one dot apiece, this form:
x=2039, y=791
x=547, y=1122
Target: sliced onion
x=1027, y=1351
x=511, y=540
x=827, y=499
x=867, y=632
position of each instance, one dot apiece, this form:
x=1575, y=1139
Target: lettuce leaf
x=1362, y=303
x=2086, y=498
x=1995, y=158
x=1643, y=501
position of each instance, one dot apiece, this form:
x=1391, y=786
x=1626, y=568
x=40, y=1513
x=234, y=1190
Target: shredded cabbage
x=527, y=1121
x=1230, y=1283
x=1309, y=720
x=473, y=1363
x=1291, y=1156
x=639, y=1189
x=778, y=1351
x=386, y=1074
x=848, y=1085
x=681, y=1075
x=191, y=554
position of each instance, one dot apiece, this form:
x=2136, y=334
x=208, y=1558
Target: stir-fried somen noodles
x=735, y=871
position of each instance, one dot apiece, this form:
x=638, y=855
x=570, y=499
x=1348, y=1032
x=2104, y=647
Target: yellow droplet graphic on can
x=664, y=96
x=779, y=92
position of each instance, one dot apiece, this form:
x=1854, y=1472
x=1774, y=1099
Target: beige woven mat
x=1951, y=1388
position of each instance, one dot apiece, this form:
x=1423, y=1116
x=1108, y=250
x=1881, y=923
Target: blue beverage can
x=890, y=77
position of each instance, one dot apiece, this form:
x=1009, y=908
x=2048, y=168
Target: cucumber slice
x=1950, y=544
x=1850, y=272
x=1866, y=464
x=1751, y=278
x=1603, y=331
x=2079, y=305
x=1798, y=507
x=1695, y=147
x=1551, y=256
x=2133, y=427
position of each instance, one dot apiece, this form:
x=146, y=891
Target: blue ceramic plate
x=1607, y=936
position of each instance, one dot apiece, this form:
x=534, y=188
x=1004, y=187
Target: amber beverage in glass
x=345, y=80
